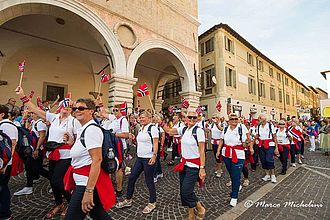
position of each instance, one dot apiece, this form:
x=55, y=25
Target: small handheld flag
x=218, y=106
x=199, y=110
x=21, y=67
x=123, y=108
x=143, y=90
x=171, y=109
x=65, y=103
x=39, y=103
x=185, y=103
x=105, y=77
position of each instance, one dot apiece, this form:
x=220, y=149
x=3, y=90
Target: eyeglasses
x=281, y=124
x=192, y=117
x=116, y=110
x=80, y=108
x=232, y=119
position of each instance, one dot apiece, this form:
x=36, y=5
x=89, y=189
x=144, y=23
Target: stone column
x=192, y=98
x=158, y=104
x=121, y=90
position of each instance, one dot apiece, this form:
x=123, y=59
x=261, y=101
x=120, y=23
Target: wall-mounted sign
x=253, y=110
x=237, y=108
x=272, y=112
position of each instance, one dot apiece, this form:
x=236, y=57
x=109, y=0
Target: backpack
x=240, y=132
x=112, y=149
x=5, y=149
x=24, y=146
x=270, y=130
x=194, y=132
x=149, y=132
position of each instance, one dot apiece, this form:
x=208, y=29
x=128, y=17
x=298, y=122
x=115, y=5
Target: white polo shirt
x=215, y=132
x=282, y=137
x=10, y=130
x=264, y=131
x=232, y=138
x=253, y=132
x=79, y=153
x=177, y=126
x=37, y=126
x=144, y=144
x=201, y=124
x=120, y=125
x=57, y=130
x=189, y=147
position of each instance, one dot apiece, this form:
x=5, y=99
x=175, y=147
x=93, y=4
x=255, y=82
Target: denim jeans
x=74, y=209
x=267, y=157
x=158, y=168
x=5, y=197
x=141, y=164
x=234, y=170
x=215, y=149
x=188, y=178
x=293, y=152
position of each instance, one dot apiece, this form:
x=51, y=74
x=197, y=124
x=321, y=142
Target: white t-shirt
x=215, y=132
x=189, y=147
x=201, y=124
x=79, y=153
x=120, y=125
x=17, y=123
x=177, y=126
x=253, y=132
x=264, y=131
x=282, y=137
x=37, y=126
x=144, y=144
x=232, y=138
x=10, y=130
x=57, y=130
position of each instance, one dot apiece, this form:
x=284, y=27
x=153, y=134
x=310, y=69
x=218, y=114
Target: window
x=260, y=65
x=230, y=77
x=51, y=90
x=229, y=45
x=177, y=87
x=278, y=76
x=249, y=59
x=209, y=45
x=293, y=100
x=271, y=74
x=292, y=85
x=202, y=49
x=287, y=97
x=286, y=81
x=252, y=86
x=272, y=93
x=280, y=96
x=208, y=84
x=262, y=89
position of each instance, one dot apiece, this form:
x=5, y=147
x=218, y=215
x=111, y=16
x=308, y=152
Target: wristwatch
x=89, y=190
x=201, y=167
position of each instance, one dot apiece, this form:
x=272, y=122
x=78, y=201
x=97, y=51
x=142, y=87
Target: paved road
x=215, y=195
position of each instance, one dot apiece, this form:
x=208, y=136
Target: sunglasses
x=281, y=124
x=80, y=108
x=213, y=117
x=232, y=119
x=192, y=117
x=116, y=110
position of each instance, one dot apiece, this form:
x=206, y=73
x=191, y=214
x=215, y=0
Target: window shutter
x=227, y=77
x=212, y=44
x=226, y=43
x=202, y=80
x=234, y=78
x=202, y=49
x=232, y=49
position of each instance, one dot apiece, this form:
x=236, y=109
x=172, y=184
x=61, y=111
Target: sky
x=295, y=34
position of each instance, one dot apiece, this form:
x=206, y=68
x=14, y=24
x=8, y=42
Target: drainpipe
x=284, y=96
x=257, y=79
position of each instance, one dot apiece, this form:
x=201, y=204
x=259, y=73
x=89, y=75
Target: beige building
x=245, y=80
x=66, y=43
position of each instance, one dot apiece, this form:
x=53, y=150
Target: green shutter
x=234, y=78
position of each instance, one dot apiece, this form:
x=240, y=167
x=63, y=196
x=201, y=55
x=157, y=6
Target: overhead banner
x=325, y=107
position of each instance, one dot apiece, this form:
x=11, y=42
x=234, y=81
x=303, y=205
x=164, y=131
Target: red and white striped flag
x=171, y=109
x=123, y=108
x=65, y=103
x=143, y=90
x=199, y=110
x=39, y=103
x=218, y=106
x=105, y=77
x=185, y=103
x=21, y=67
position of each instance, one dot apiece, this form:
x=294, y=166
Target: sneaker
x=283, y=172
x=228, y=184
x=240, y=188
x=253, y=170
x=273, y=178
x=24, y=191
x=302, y=157
x=160, y=175
x=50, y=190
x=293, y=165
x=266, y=178
x=299, y=161
x=215, y=172
x=155, y=179
x=218, y=175
x=169, y=149
x=233, y=202
x=246, y=182
x=123, y=204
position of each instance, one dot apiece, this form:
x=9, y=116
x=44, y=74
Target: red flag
x=39, y=103
x=185, y=103
x=199, y=110
x=171, y=109
x=21, y=67
x=31, y=94
x=65, y=103
x=218, y=106
x=123, y=108
x=105, y=77
x=143, y=90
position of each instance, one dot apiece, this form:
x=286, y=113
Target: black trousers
x=284, y=158
x=293, y=153
x=57, y=170
x=175, y=151
x=188, y=178
x=75, y=212
x=34, y=169
x=5, y=197
x=255, y=157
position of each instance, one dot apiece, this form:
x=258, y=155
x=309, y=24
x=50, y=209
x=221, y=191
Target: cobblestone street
x=302, y=184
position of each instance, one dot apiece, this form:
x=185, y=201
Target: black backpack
x=194, y=132
x=240, y=132
x=24, y=146
x=112, y=149
x=270, y=130
x=5, y=149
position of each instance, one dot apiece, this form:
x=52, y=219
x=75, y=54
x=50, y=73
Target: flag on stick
x=39, y=103
x=185, y=103
x=105, y=77
x=199, y=110
x=123, y=108
x=171, y=109
x=65, y=103
x=143, y=90
x=21, y=67
x=218, y=106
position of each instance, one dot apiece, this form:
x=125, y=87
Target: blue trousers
x=141, y=164
x=267, y=157
x=188, y=178
x=234, y=170
x=158, y=168
x=5, y=197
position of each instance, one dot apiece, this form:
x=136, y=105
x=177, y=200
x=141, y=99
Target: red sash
x=17, y=165
x=215, y=141
x=179, y=167
x=233, y=152
x=265, y=142
x=55, y=155
x=249, y=158
x=103, y=185
x=281, y=148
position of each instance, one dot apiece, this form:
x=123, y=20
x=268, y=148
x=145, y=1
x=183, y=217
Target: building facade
x=245, y=80
x=67, y=43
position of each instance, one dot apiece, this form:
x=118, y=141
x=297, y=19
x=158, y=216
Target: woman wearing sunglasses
x=92, y=188
x=283, y=140
x=147, y=148
x=192, y=166
x=61, y=136
x=234, y=140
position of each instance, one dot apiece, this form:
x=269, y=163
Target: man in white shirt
x=176, y=146
x=11, y=131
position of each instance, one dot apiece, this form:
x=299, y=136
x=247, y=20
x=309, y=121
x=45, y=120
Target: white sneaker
x=293, y=165
x=273, y=178
x=240, y=188
x=50, y=190
x=24, y=191
x=160, y=175
x=216, y=172
x=169, y=149
x=299, y=161
x=233, y=202
x=218, y=175
x=266, y=178
x=155, y=179
x=302, y=156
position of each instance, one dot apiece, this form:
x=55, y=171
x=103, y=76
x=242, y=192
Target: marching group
x=85, y=146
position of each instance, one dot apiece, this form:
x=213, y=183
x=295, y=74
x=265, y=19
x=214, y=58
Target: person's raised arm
x=55, y=102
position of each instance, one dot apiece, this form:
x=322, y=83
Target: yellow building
x=67, y=43
x=245, y=80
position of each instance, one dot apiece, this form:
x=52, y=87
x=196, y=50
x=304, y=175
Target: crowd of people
x=85, y=145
